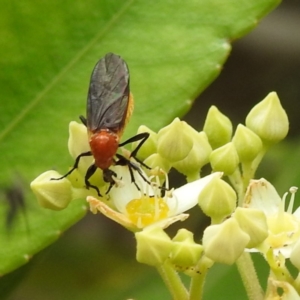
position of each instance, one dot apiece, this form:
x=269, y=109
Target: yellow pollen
x=147, y=210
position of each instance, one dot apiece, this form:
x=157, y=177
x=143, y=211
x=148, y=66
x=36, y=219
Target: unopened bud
x=247, y=143
x=52, y=194
x=153, y=246
x=225, y=243
x=217, y=199
x=155, y=160
x=78, y=143
x=254, y=223
x=197, y=158
x=185, y=252
x=217, y=127
x=149, y=146
x=225, y=159
x=269, y=120
x=174, y=141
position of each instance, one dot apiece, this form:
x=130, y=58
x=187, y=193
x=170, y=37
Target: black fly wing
x=108, y=94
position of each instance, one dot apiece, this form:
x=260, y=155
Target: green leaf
x=174, y=49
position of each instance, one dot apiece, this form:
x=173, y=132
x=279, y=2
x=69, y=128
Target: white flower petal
x=125, y=191
x=297, y=213
x=285, y=250
x=186, y=196
x=262, y=195
x=96, y=205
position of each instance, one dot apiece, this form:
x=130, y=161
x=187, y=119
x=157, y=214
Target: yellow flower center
x=147, y=210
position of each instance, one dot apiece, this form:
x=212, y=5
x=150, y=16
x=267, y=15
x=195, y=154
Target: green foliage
x=174, y=49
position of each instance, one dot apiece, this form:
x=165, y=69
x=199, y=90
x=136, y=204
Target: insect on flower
x=109, y=108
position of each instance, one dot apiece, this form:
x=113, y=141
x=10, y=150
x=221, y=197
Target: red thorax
x=104, y=145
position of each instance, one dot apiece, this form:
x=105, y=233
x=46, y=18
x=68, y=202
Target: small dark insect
x=109, y=108
x=14, y=196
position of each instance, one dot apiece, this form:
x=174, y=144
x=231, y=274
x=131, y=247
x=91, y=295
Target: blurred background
x=95, y=259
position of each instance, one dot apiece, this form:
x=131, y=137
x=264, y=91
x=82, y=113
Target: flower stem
x=237, y=183
x=297, y=284
x=196, y=288
x=172, y=281
x=249, y=277
x=250, y=168
x=197, y=282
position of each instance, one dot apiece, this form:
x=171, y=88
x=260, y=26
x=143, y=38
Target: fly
x=109, y=108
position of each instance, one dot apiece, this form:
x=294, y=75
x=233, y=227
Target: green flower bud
x=254, y=223
x=52, y=194
x=155, y=160
x=247, y=143
x=153, y=246
x=224, y=159
x=217, y=199
x=174, y=142
x=218, y=128
x=225, y=243
x=197, y=158
x=185, y=252
x=77, y=144
x=269, y=120
x=149, y=147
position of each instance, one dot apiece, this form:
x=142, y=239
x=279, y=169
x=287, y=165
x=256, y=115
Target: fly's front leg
x=89, y=173
x=89, y=153
x=142, y=137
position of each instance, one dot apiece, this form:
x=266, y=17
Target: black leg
x=89, y=153
x=83, y=120
x=141, y=162
x=131, y=166
x=142, y=137
x=108, y=177
x=123, y=161
x=90, y=171
x=132, y=176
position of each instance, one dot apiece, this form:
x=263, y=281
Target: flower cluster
x=247, y=215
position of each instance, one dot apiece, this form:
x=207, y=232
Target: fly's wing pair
x=108, y=96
